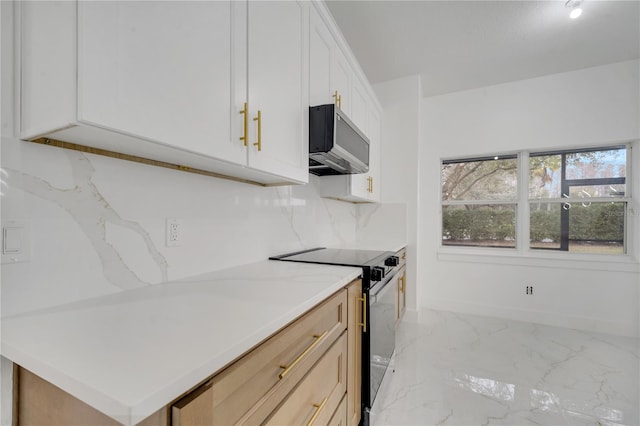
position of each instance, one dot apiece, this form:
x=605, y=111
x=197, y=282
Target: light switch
x=12, y=239
x=16, y=241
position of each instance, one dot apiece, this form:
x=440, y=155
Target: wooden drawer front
x=195, y=409
x=340, y=416
x=402, y=255
x=251, y=388
x=315, y=400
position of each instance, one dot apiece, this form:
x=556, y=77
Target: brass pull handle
x=303, y=354
x=338, y=99
x=404, y=287
x=319, y=408
x=363, y=324
x=245, y=124
x=404, y=255
x=370, y=186
x=259, y=120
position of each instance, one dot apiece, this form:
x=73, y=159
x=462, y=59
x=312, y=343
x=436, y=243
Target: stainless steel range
x=378, y=336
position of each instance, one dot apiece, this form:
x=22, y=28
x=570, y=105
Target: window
x=577, y=201
x=479, y=198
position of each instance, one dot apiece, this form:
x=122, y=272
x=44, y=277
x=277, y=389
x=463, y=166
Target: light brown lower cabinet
x=354, y=351
x=39, y=403
x=319, y=393
x=339, y=418
x=307, y=373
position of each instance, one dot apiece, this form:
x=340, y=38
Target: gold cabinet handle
x=363, y=324
x=259, y=120
x=370, y=186
x=319, y=408
x=303, y=354
x=404, y=287
x=338, y=99
x=245, y=124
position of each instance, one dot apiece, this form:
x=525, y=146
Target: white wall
x=400, y=172
x=595, y=106
x=97, y=224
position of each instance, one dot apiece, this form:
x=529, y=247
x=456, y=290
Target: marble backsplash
x=97, y=224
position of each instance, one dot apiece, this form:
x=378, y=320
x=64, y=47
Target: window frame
x=523, y=205
x=565, y=188
x=506, y=202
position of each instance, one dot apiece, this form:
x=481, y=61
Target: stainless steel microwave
x=336, y=145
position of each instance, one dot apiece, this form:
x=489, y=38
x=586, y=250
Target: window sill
x=534, y=258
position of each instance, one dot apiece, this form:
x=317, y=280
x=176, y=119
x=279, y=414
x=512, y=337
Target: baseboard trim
x=597, y=325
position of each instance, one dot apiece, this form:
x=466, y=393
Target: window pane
x=479, y=225
x=592, y=227
x=588, y=191
x=544, y=225
x=480, y=180
x=544, y=176
x=597, y=164
x=545, y=173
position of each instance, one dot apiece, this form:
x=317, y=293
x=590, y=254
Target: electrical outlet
x=529, y=290
x=174, y=232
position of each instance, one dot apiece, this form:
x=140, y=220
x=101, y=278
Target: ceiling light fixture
x=574, y=5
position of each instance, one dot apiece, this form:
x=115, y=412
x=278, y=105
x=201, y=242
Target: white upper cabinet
x=143, y=72
x=321, y=47
x=279, y=87
x=359, y=105
x=332, y=73
x=167, y=80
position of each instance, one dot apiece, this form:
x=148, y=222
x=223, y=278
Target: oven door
x=382, y=332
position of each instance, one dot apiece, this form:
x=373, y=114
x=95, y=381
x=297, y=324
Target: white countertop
x=131, y=353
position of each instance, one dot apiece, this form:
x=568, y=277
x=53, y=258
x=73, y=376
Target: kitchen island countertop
x=130, y=353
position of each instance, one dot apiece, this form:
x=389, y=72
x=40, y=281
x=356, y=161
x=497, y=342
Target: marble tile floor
x=456, y=369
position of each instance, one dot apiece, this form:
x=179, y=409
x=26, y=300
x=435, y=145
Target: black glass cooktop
x=344, y=257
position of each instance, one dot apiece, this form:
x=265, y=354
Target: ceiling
x=460, y=45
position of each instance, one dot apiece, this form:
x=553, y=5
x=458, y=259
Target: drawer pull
x=319, y=408
x=303, y=354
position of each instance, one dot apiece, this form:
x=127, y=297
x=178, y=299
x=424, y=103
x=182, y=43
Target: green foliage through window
x=577, y=200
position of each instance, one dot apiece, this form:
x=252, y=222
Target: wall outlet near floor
x=174, y=232
x=529, y=290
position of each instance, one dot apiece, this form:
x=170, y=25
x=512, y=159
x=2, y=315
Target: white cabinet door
x=278, y=88
x=341, y=74
x=359, y=105
x=374, y=133
x=321, y=46
x=169, y=72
